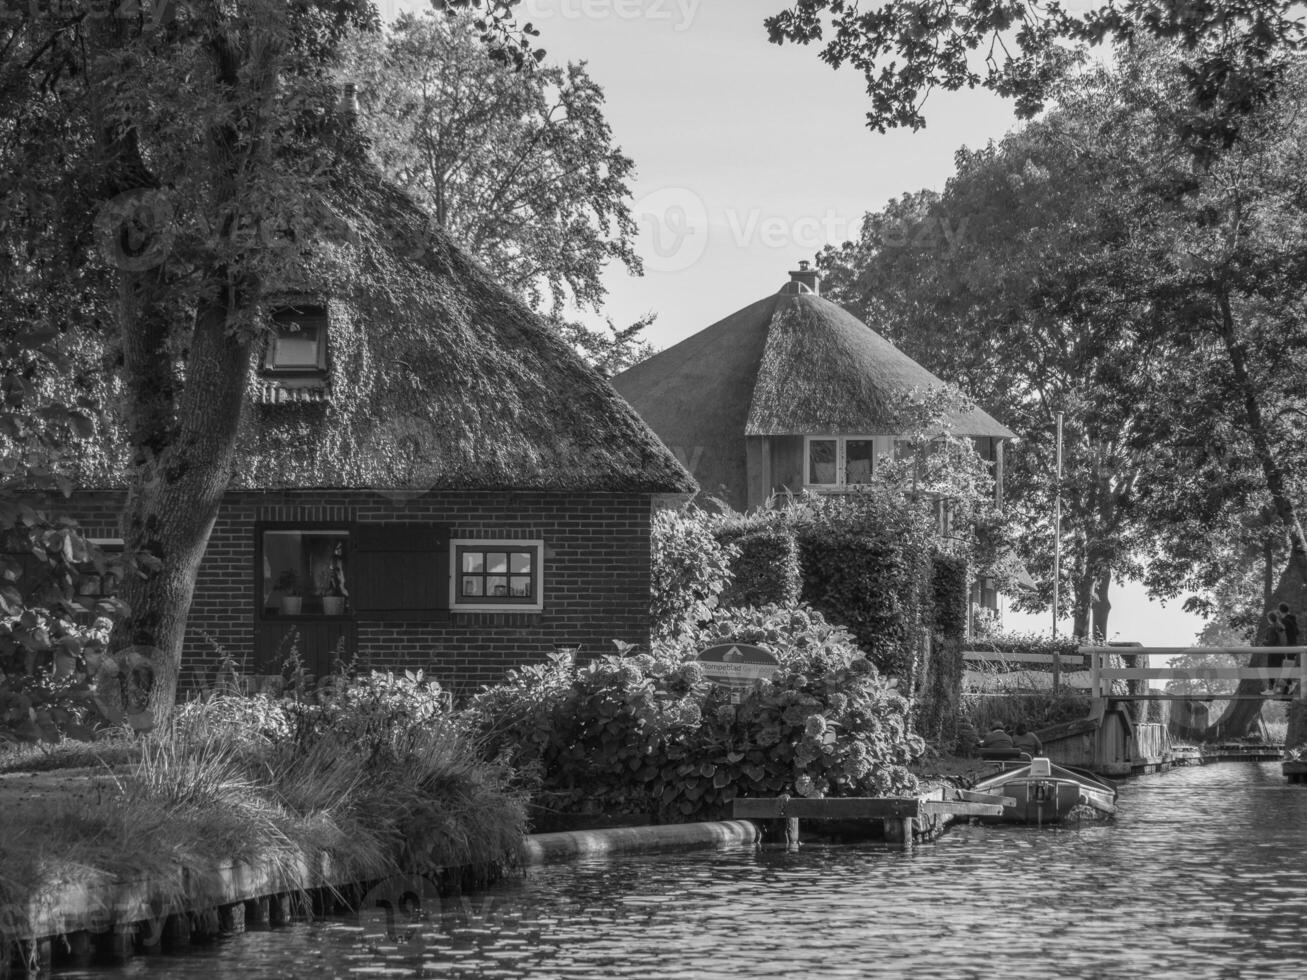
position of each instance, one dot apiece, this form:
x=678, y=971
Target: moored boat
x=1047, y=793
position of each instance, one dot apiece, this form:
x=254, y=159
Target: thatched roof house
x=427, y=476
x=790, y=392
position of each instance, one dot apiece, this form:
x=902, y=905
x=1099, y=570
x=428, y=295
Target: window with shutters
x=304, y=571
x=504, y=576
x=400, y=571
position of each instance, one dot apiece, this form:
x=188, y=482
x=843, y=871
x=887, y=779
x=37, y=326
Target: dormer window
x=298, y=345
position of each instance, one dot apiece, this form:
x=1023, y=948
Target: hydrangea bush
x=649, y=734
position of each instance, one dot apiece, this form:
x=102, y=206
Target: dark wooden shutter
x=399, y=571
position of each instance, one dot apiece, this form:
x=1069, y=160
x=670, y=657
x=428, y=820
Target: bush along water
x=373, y=777
x=648, y=734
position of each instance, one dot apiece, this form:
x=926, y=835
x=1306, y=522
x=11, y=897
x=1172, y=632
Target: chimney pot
x=807, y=276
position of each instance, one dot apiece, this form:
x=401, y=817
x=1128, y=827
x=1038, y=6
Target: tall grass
x=277, y=783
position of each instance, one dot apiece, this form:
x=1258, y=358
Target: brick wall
x=596, y=573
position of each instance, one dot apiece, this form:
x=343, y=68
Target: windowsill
x=496, y=607
x=271, y=617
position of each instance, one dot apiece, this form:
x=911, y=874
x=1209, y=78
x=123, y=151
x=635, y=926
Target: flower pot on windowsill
x=291, y=605
x=333, y=605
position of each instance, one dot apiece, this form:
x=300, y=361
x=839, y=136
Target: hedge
x=765, y=570
x=939, y=703
x=873, y=586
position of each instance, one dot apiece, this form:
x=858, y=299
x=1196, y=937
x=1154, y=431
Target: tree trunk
x=1239, y=717
x=1101, y=605
x=174, y=494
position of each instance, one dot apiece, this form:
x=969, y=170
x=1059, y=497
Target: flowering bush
x=650, y=734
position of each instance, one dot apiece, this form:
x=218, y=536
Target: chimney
x=808, y=277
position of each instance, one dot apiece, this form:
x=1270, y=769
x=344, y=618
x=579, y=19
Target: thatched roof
x=788, y=364
x=438, y=378
x=824, y=370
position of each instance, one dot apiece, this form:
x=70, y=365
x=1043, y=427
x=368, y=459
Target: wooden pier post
x=177, y=930
x=231, y=918
x=279, y=909
x=257, y=913
x=899, y=831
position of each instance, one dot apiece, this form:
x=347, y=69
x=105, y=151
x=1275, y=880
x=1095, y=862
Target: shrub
x=796, y=635
x=871, y=584
x=647, y=734
x=689, y=568
x=766, y=569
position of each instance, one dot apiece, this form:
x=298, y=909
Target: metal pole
x=1057, y=524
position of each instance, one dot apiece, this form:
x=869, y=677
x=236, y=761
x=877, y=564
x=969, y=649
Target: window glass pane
x=821, y=461
x=496, y=585
x=296, y=348
x=520, y=585
x=472, y=585
x=496, y=562
x=473, y=561
x=859, y=460
x=306, y=565
x=519, y=562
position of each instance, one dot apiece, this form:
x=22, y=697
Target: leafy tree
x=998, y=283
x=517, y=165
x=197, y=144
x=1162, y=289
x=1020, y=49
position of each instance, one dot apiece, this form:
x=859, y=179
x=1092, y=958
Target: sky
x=751, y=157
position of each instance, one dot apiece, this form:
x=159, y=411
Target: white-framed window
x=835, y=462
x=298, y=344
x=497, y=576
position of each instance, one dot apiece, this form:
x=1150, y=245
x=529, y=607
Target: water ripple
x=1202, y=875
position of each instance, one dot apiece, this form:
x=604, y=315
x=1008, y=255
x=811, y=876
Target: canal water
x=1203, y=874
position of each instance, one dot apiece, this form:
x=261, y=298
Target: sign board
x=738, y=666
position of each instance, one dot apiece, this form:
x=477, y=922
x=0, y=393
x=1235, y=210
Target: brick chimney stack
x=807, y=276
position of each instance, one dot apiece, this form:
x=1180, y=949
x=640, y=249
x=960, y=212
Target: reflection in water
x=1203, y=874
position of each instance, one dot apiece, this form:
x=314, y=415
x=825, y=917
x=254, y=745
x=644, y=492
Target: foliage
x=1034, y=709
x=647, y=734
x=798, y=636
x=937, y=704
x=905, y=49
x=689, y=570
x=232, y=778
x=950, y=586
x=519, y=166
x=1087, y=266
x=176, y=161
x=766, y=569
x=1026, y=643
x=58, y=678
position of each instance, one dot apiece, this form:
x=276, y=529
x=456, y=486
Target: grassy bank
x=374, y=782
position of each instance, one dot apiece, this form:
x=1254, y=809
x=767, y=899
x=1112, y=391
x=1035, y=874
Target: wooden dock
x=904, y=820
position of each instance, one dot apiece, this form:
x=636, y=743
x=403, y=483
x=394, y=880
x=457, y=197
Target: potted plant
x=333, y=596
x=292, y=598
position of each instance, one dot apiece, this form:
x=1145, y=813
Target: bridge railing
x=1102, y=674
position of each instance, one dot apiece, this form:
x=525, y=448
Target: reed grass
x=204, y=793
